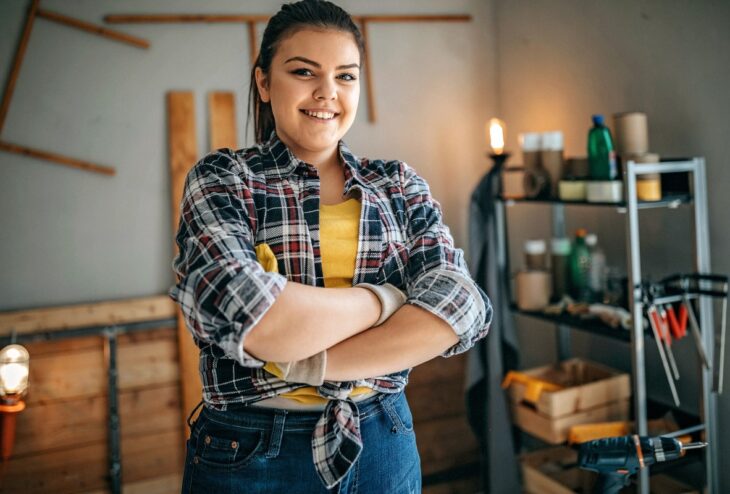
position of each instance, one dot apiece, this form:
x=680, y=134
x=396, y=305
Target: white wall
x=72, y=237
x=561, y=61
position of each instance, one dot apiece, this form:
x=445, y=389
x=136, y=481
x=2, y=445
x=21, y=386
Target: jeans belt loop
x=277, y=433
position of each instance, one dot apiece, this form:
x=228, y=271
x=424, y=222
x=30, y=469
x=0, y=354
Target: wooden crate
x=554, y=471
x=586, y=384
x=554, y=430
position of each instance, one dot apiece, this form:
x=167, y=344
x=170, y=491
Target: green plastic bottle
x=579, y=268
x=601, y=154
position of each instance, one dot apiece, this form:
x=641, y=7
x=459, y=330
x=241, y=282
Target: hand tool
x=617, y=458
x=653, y=316
x=663, y=326
x=695, y=327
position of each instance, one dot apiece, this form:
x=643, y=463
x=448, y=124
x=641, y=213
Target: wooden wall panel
x=445, y=443
x=61, y=438
x=71, y=423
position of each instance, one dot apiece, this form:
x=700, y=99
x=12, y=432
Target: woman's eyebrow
x=312, y=62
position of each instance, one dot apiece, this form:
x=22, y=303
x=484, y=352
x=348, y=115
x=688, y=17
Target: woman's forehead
x=326, y=47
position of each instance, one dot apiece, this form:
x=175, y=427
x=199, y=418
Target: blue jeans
x=262, y=450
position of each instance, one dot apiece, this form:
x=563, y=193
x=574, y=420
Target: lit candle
x=495, y=131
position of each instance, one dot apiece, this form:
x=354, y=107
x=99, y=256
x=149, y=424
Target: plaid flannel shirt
x=235, y=200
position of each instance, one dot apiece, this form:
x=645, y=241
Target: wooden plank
x=468, y=485
x=369, y=84
x=74, y=423
x=221, y=18
x=83, y=373
x=57, y=158
x=52, y=347
x=83, y=469
x=152, y=363
x=183, y=153
x=437, y=401
x=94, y=29
x=152, y=455
x=439, y=370
x=445, y=443
x=85, y=315
x=253, y=42
x=169, y=484
x=222, y=120
x=60, y=472
x=17, y=62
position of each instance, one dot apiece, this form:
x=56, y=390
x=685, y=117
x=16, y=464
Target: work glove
x=391, y=299
x=309, y=370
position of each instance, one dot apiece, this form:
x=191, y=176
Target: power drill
x=617, y=458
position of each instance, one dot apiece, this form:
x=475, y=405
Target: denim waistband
x=259, y=418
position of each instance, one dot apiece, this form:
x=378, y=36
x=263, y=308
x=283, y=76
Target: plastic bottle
x=560, y=251
x=601, y=153
x=579, y=266
x=597, y=275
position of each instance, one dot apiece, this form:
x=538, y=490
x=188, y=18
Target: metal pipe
x=635, y=303
x=115, y=461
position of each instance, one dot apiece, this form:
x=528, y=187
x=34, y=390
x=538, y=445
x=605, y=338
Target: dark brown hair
x=292, y=17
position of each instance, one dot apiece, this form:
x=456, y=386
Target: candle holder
x=498, y=159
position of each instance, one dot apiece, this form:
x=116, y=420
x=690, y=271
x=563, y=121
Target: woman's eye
x=302, y=72
x=348, y=77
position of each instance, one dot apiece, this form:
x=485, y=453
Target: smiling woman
x=313, y=281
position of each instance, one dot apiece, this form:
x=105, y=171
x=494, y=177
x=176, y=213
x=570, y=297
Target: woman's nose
x=326, y=90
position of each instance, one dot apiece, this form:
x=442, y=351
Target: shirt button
x=207, y=439
x=234, y=444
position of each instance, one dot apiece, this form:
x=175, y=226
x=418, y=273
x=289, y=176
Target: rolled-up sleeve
x=438, y=279
x=221, y=288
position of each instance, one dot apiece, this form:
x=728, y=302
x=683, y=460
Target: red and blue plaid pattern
x=235, y=200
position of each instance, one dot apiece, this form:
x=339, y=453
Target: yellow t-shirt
x=339, y=228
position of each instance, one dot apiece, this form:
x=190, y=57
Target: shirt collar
x=282, y=162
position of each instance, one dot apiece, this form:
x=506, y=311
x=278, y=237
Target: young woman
x=312, y=282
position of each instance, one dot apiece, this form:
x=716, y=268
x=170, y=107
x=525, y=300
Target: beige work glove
x=309, y=371
x=391, y=299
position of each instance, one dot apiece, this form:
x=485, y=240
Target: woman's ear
x=262, y=84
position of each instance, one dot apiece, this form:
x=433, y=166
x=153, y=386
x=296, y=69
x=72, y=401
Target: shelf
x=592, y=325
x=670, y=201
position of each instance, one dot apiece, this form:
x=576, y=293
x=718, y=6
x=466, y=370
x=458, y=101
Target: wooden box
x=554, y=471
x=586, y=385
x=554, y=430
x=591, y=393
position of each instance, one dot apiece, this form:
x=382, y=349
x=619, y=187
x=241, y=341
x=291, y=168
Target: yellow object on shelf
x=534, y=386
x=587, y=432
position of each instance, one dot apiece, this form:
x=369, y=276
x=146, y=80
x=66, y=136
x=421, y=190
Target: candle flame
x=496, y=135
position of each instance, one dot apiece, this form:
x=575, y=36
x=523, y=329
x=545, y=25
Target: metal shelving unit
x=695, y=167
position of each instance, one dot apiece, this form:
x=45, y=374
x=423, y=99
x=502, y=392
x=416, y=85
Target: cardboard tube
x=533, y=289
x=632, y=133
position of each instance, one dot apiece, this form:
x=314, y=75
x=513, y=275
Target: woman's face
x=313, y=86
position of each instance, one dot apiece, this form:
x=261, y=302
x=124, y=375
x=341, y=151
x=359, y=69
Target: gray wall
x=561, y=61
x=73, y=237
